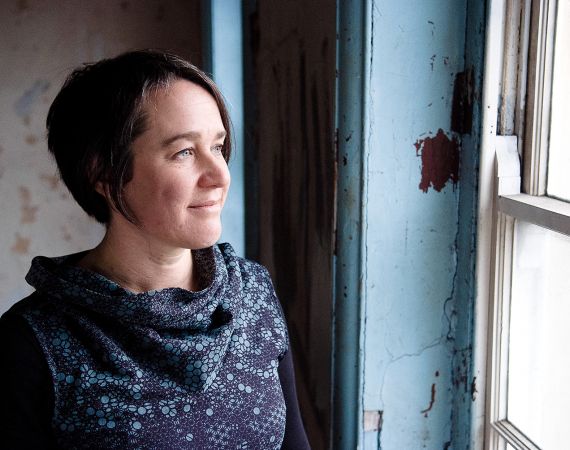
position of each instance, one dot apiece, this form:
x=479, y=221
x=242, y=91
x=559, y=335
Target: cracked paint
x=440, y=161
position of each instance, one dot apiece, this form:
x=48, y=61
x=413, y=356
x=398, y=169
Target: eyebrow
x=190, y=135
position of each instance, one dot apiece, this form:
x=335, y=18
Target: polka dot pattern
x=162, y=369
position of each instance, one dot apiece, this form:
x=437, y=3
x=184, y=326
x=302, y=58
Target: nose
x=215, y=172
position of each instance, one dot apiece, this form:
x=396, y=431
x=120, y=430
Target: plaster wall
x=42, y=41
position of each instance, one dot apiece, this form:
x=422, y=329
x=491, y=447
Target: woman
x=157, y=338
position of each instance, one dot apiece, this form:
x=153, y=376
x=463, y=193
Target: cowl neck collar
x=166, y=309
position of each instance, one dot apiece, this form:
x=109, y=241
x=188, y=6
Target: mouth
x=206, y=205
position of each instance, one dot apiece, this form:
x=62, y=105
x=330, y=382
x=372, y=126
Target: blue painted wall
x=418, y=244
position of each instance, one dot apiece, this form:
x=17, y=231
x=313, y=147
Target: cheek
x=153, y=193
x=173, y=193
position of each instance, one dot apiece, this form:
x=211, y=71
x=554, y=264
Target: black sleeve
x=295, y=436
x=25, y=388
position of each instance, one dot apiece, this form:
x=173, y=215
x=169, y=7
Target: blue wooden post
x=223, y=58
x=352, y=17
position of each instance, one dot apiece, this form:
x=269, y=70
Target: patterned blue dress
x=162, y=369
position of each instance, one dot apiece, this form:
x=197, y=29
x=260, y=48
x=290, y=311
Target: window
x=528, y=359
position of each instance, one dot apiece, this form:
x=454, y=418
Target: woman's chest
x=242, y=408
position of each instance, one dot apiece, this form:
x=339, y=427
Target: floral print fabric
x=162, y=369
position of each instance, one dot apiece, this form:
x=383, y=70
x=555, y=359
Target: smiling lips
x=207, y=205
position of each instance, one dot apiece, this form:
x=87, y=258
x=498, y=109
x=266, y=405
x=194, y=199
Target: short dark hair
x=99, y=112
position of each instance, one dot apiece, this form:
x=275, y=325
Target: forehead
x=182, y=104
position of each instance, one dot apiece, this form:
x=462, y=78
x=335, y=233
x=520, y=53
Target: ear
x=102, y=188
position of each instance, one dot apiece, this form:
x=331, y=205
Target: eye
x=218, y=149
x=184, y=153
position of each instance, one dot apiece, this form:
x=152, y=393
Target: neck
x=138, y=264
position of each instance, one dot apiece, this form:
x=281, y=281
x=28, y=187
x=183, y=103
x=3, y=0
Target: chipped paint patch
x=440, y=161
x=462, y=106
x=25, y=103
x=65, y=233
x=51, y=180
x=31, y=139
x=21, y=246
x=27, y=211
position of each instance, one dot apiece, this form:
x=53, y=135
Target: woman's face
x=180, y=178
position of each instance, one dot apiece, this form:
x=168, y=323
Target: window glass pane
x=539, y=341
x=558, y=184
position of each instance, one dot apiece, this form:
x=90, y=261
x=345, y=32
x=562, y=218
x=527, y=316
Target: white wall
x=42, y=41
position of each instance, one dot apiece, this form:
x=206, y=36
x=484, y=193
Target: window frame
x=519, y=63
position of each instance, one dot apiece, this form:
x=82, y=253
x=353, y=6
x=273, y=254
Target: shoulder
x=25, y=381
x=14, y=326
x=14, y=319
x=17, y=318
x=27, y=304
x=18, y=342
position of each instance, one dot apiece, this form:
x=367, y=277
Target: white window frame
x=501, y=202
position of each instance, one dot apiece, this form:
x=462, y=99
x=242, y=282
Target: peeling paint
x=23, y=106
x=432, y=27
x=27, y=211
x=461, y=369
x=462, y=106
x=440, y=161
x=65, y=233
x=21, y=246
x=51, y=180
x=31, y=139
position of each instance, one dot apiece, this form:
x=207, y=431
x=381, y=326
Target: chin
x=206, y=240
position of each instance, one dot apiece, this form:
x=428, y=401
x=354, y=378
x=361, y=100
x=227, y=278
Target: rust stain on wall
x=21, y=246
x=440, y=161
x=27, y=211
x=431, y=402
